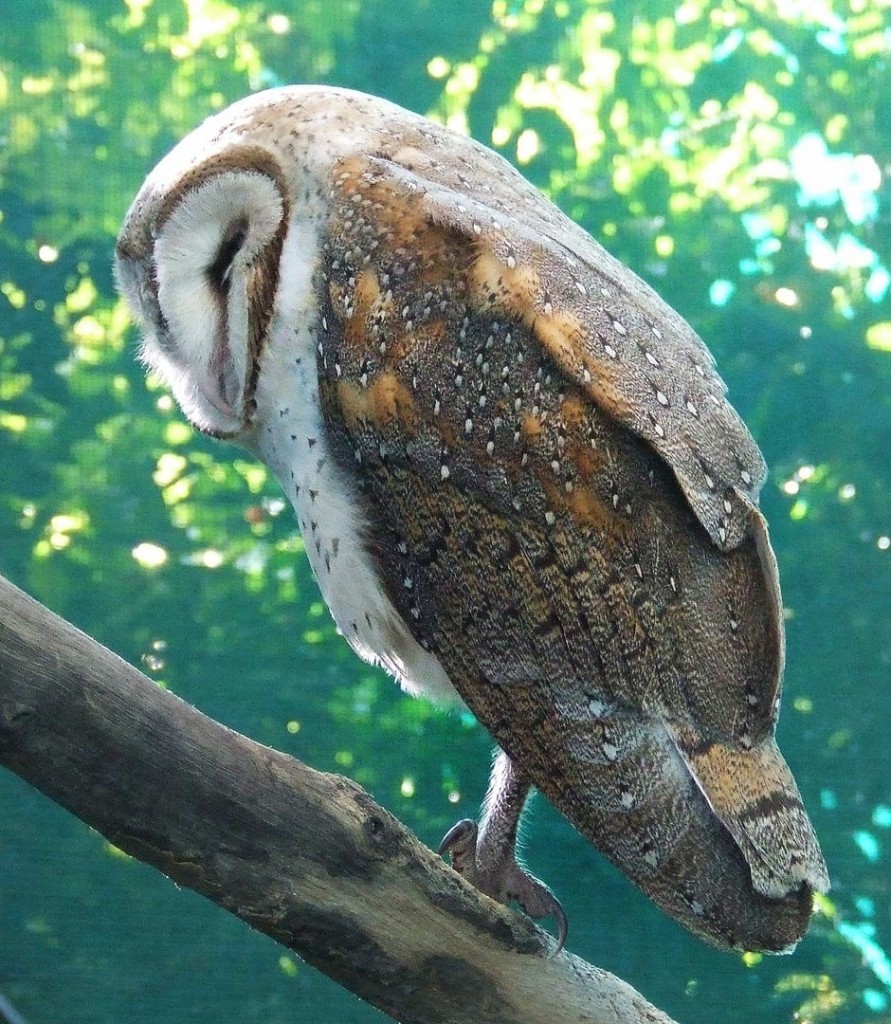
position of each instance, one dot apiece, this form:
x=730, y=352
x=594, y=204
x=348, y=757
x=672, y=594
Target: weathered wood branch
x=306, y=857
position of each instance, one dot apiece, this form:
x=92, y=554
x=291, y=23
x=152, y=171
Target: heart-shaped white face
x=203, y=286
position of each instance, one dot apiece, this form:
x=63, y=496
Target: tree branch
x=305, y=857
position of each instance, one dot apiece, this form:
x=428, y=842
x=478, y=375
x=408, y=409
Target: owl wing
x=585, y=559
x=624, y=352
x=603, y=326
x=630, y=353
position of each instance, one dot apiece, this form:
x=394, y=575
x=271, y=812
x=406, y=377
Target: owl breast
x=290, y=435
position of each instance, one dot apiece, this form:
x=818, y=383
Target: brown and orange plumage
x=517, y=474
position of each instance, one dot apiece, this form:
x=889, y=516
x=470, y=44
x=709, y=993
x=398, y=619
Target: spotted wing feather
x=643, y=365
x=607, y=330
x=514, y=260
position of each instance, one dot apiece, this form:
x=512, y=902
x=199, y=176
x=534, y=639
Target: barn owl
x=517, y=475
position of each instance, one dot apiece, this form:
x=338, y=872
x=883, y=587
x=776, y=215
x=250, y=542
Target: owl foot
x=500, y=876
x=485, y=854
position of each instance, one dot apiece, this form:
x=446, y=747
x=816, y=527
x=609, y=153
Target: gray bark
x=305, y=857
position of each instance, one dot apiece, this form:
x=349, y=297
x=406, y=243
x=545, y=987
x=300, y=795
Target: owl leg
x=485, y=853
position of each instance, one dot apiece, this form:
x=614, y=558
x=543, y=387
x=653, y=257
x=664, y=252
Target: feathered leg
x=485, y=854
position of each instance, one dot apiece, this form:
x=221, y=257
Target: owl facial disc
x=212, y=271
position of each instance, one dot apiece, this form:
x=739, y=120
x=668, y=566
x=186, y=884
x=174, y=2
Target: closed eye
x=219, y=273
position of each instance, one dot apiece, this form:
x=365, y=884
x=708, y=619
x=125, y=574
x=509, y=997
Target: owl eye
x=219, y=273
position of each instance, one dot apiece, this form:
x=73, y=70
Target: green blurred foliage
x=735, y=154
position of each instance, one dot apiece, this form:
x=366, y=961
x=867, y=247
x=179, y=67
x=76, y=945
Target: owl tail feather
x=752, y=792
x=716, y=837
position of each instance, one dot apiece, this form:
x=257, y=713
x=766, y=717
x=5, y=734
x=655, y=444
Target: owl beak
x=220, y=389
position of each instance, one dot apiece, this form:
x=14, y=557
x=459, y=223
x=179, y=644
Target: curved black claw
x=562, y=926
x=559, y=915
x=537, y=901
x=462, y=833
x=501, y=877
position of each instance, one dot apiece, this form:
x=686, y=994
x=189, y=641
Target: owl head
x=221, y=220
x=198, y=261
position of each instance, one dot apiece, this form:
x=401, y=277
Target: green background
x=734, y=154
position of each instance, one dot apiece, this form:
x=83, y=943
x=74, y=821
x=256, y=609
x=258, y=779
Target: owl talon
x=537, y=901
x=459, y=843
x=504, y=880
